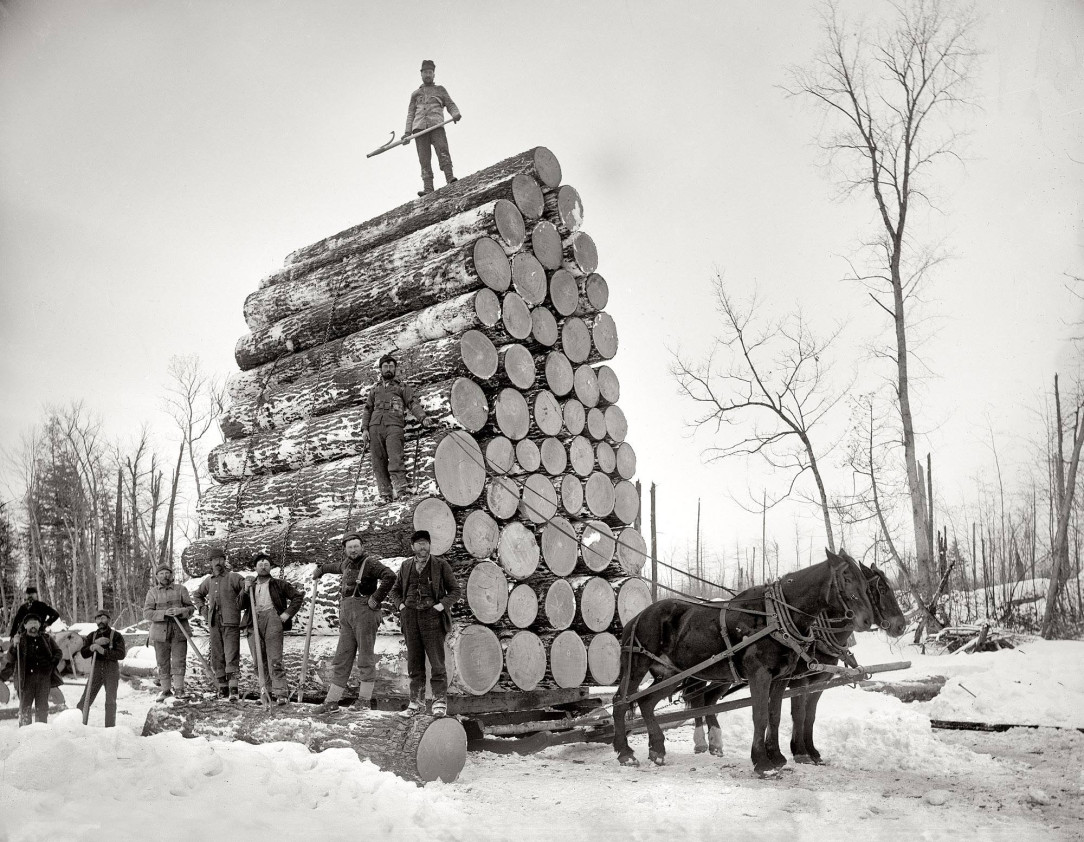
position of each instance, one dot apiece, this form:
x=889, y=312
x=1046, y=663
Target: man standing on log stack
x=46, y=614
x=382, y=423
x=424, y=591
x=365, y=582
x=166, y=601
x=276, y=602
x=216, y=598
x=107, y=648
x=426, y=110
x=32, y=659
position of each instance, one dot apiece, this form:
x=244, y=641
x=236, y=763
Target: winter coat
x=219, y=594
x=362, y=578
x=388, y=402
x=158, y=600
x=46, y=613
x=427, y=106
x=442, y=581
x=115, y=650
x=284, y=596
x=38, y=655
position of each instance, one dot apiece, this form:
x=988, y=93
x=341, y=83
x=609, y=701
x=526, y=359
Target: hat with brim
x=420, y=535
x=350, y=536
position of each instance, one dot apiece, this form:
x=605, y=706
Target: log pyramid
x=487, y=293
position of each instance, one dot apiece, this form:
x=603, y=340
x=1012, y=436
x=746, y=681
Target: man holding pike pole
x=426, y=114
x=106, y=649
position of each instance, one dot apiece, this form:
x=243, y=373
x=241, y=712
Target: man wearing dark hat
x=426, y=110
x=46, y=614
x=364, y=584
x=276, y=601
x=424, y=591
x=106, y=646
x=216, y=598
x=32, y=659
x=168, y=607
x=382, y=421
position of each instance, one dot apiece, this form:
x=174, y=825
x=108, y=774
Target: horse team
x=769, y=637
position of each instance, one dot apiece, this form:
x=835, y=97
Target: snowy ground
x=889, y=774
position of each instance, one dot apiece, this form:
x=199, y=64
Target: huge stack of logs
x=488, y=294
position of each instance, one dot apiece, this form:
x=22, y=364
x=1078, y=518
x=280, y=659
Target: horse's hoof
x=804, y=758
x=628, y=760
x=778, y=762
x=716, y=751
x=700, y=749
x=766, y=772
x=657, y=758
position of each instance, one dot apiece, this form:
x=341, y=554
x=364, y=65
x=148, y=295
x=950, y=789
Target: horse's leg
x=715, y=733
x=798, y=734
x=775, y=712
x=656, y=743
x=700, y=745
x=637, y=670
x=760, y=684
x=810, y=718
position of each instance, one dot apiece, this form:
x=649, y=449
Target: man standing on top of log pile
x=426, y=110
x=382, y=424
x=216, y=598
x=32, y=659
x=365, y=582
x=424, y=591
x=106, y=647
x=46, y=614
x=166, y=601
x=276, y=602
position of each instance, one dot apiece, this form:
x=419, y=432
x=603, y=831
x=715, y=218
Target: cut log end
x=480, y=533
x=560, y=377
x=510, y=224
x=529, y=278
x=468, y=404
x=604, y=336
x=522, y=606
x=597, y=291
x=544, y=328
x=547, y=168
x=538, y=499
x=459, y=469
x=518, y=551
x=560, y=605
x=487, y=592
x=560, y=547
x=604, y=659
x=512, y=414
x=525, y=659
x=518, y=366
x=576, y=339
x=568, y=660
x=528, y=196
x=477, y=659
x=516, y=316
x=575, y=416
x=597, y=545
x=435, y=516
x=478, y=354
x=548, y=415
x=491, y=264
x=546, y=244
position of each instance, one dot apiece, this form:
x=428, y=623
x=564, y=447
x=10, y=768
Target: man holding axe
x=167, y=608
x=425, y=121
x=105, y=648
x=270, y=604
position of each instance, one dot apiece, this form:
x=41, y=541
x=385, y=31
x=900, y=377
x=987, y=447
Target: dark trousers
x=386, y=448
x=34, y=695
x=106, y=674
x=274, y=673
x=358, y=625
x=225, y=651
x=438, y=140
x=423, y=631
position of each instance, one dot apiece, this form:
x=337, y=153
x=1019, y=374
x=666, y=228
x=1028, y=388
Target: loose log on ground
x=476, y=659
x=603, y=658
x=545, y=242
x=519, y=179
x=517, y=550
x=567, y=659
x=529, y=278
x=472, y=310
x=524, y=659
x=633, y=596
x=447, y=275
x=436, y=517
x=559, y=606
x=595, y=603
x=420, y=749
x=564, y=208
x=522, y=605
x=500, y=220
x=487, y=592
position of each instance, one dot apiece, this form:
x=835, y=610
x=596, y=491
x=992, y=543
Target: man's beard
x=388, y=375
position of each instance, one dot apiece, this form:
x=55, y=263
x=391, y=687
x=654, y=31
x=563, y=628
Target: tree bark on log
x=447, y=275
x=420, y=749
x=479, y=309
x=519, y=179
x=524, y=659
x=564, y=208
x=501, y=221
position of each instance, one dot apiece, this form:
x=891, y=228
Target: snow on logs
x=487, y=292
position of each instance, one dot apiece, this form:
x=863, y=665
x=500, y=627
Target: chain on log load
x=488, y=293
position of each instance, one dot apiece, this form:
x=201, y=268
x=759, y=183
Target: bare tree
x=194, y=400
x=772, y=387
x=885, y=96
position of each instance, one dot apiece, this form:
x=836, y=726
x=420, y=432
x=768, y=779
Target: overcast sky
x=158, y=158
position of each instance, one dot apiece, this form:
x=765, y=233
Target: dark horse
x=671, y=636
x=803, y=708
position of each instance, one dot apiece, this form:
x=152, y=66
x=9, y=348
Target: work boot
x=331, y=702
x=427, y=186
x=417, y=705
x=448, y=177
x=280, y=701
x=386, y=496
x=178, y=688
x=223, y=691
x=234, y=695
x=165, y=694
x=166, y=685
x=440, y=707
x=365, y=696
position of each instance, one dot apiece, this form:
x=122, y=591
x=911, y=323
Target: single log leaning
x=420, y=749
x=519, y=178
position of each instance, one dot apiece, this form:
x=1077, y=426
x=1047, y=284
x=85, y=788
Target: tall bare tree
x=772, y=389
x=888, y=96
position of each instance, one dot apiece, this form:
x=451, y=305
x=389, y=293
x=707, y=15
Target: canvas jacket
x=442, y=580
x=427, y=106
x=219, y=595
x=154, y=610
x=388, y=402
x=364, y=577
x=284, y=596
x=114, y=651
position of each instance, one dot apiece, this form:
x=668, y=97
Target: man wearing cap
x=424, y=591
x=32, y=659
x=276, y=602
x=216, y=599
x=364, y=584
x=426, y=110
x=106, y=646
x=382, y=421
x=46, y=614
x=168, y=607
